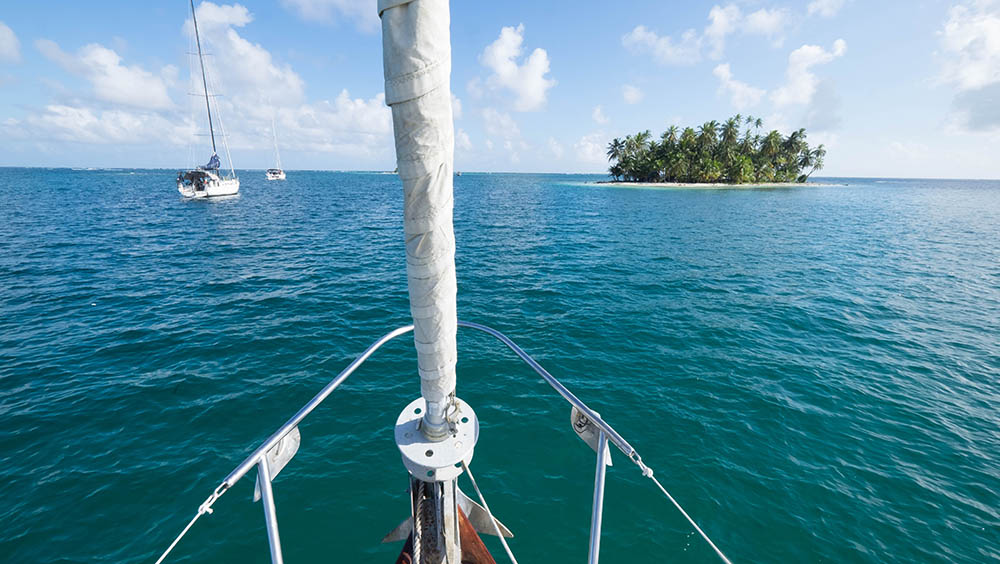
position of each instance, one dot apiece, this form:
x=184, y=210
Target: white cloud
x=825, y=8
x=632, y=94
x=556, y=148
x=211, y=15
x=722, y=22
x=59, y=122
x=345, y=125
x=598, y=115
x=10, y=47
x=475, y=88
x=526, y=80
x=245, y=71
x=255, y=87
x=363, y=12
x=971, y=41
x=456, y=107
x=590, y=149
x=800, y=82
x=741, y=94
x=501, y=126
x=769, y=23
x=111, y=80
x=663, y=49
x=462, y=141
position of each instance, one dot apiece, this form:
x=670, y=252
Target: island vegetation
x=734, y=152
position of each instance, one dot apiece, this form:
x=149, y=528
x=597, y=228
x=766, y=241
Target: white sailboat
x=207, y=181
x=275, y=173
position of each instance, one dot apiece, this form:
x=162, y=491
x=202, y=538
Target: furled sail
x=416, y=47
x=213, y=163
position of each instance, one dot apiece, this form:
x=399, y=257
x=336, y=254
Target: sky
x=891, y=88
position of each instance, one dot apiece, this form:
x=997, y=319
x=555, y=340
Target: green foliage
x=715, y=153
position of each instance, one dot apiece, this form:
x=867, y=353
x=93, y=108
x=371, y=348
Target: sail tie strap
x=493, y=520
x=205, y=507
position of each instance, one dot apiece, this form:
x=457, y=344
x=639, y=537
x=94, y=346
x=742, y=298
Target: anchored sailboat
x=436, y=433
x=207, y=181
x=275, y=173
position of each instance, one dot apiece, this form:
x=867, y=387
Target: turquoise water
x=814, y=372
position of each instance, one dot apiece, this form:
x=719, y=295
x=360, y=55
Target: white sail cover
x=416, y=47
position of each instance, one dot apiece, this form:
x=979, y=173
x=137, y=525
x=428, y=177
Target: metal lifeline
x=593, y=424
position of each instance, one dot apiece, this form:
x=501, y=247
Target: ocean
x=812, y=371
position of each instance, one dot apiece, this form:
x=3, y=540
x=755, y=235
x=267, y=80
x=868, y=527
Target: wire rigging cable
x=493, y=520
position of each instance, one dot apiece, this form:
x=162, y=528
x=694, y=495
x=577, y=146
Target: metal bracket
x=588, y=432
x=279, y=455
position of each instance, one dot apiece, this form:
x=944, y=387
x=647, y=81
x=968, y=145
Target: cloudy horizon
x=899, y=89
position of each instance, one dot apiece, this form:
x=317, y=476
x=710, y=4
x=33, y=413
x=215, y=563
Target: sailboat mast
x=274, y=134
x=204, y=80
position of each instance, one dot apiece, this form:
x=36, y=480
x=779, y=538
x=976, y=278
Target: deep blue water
x=814, y=372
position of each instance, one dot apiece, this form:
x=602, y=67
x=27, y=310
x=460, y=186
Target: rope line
x=648, y=472
x=205, y=507
x=493, y=520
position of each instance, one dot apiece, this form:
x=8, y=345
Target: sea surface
x=812, y=371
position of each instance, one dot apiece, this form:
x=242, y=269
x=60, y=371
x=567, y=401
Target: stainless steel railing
x=259, y=457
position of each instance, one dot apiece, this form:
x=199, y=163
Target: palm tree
x=715, y=152
x=816, y=156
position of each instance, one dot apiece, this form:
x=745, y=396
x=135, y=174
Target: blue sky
x=893, y=88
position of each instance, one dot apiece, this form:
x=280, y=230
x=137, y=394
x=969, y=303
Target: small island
x=734, y=152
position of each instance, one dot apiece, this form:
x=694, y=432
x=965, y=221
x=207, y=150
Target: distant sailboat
x=206, y=181
x=275, y=173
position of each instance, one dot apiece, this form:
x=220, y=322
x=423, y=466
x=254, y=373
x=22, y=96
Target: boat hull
x=211, y=188
x=276, y=175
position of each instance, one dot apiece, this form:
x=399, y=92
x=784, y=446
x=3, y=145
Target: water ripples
x=813, y=372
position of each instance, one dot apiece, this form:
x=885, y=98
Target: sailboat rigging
x=275, y=173
x=207, y=181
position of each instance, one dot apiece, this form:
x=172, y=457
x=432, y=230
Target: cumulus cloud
x=825, y=8
x=663, y=49
x=501, y=127
x=462, y=141
x=723, y=21
x=590, y=149
x=970, y=42
x=345, y=125
x=10, y=47
x=526, y=80
x=58, y=122
x=255, y=88
x=246, y=71
x=598, y=115
x=800, y=81
x=769, y=23
x=362, y=12
x=500, y=124
x=456, y=107
x=632, y=94
x=741, y=95
x=111, y=80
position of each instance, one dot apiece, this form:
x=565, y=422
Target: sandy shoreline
x=708, y=185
